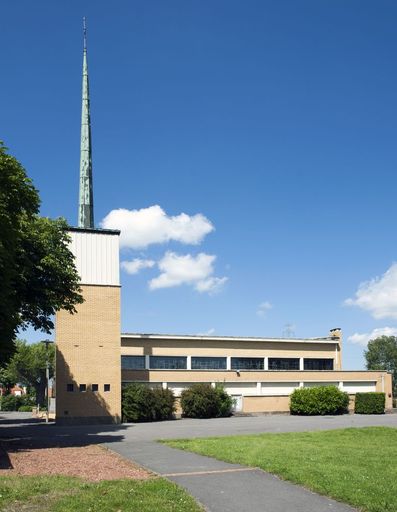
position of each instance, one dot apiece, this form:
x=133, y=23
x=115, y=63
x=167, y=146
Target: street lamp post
x=47, y=375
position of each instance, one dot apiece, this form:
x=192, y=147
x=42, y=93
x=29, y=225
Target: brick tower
x=88, y=368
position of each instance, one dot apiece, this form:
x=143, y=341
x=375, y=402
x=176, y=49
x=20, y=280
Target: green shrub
x=204, y=401
x=141, y=403
x=319, y=400
x=370, y=403
x=225, y=401
x=164, y=404
x=13, y=403
x=25, y=408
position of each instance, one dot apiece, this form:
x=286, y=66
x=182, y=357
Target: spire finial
x=86, y=201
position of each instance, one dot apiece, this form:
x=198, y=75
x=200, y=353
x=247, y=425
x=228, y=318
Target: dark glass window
x=132, y=362
x=69, y=387
x=247, y=363
x=208, y=363
x=82, y=387
x=94, y=387
x=168, y=362
x=319, y=364
x=283, y=363
x=106, y=387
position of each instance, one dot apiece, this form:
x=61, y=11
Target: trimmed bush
x=225, y=401
x=204, y=401
x=25, y=408
x=370, y=403
x=141, y=403
x=164, y=404
x=319, y=400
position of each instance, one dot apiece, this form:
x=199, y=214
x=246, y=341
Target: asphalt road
x=219, y=486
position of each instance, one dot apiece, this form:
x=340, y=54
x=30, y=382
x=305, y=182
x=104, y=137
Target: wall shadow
x=81, y=407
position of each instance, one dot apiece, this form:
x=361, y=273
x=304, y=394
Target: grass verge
x=357, y=466
x=65, y=494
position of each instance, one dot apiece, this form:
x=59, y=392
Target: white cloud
x=211, y=285
x=379, y=295
x=263, y=308
x=135, y=265
x=140, y=228
x=363, y=339
x=196, y=271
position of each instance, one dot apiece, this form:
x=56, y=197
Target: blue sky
x=276, y=121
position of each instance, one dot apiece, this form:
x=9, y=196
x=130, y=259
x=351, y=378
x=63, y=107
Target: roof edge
x=94, y=230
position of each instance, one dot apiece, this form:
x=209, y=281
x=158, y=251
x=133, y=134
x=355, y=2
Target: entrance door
x=238, y=403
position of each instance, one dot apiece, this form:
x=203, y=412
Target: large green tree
x=28, y=366
x=37, y=272
x=381, y=354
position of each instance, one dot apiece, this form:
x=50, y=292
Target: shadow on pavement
x=19, y=432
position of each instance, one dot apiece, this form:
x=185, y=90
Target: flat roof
x=195, y=337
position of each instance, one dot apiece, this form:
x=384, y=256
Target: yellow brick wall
x=88, y=352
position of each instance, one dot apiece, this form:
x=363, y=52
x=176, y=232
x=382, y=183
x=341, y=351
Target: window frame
x=222, y=359
x=238, y=367
x=169, y=358
x=284, y=359
x=130, y=357
x=318, y=359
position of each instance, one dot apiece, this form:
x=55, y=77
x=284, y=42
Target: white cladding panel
x=278, y=388
x=359, y=387
x=241, y=388
x=96, y=257
x=321, y=383
x=178, y=387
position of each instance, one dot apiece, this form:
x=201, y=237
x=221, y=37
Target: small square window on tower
x=69, y=387
x=94, y=387
x=106, y=387
x=83, y=387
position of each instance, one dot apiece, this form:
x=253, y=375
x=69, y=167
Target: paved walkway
x=223, y=487
x=219, y=486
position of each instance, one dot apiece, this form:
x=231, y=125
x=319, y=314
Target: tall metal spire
x=86, y=202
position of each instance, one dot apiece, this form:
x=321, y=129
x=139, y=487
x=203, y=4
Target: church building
x=93, y=360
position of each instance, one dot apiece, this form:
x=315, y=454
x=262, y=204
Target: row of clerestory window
x=220, y=363
x=83, y=387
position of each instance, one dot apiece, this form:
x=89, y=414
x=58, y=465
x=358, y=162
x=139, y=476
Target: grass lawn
x=65, y=494
x=357, y=466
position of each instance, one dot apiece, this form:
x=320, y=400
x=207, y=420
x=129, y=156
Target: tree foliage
x=381, y=354
x=28, y=366
x=37, y=272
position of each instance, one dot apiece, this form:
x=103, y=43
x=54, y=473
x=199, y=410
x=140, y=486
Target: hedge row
x=319, y=400
x=370, y=403
x=141, y=403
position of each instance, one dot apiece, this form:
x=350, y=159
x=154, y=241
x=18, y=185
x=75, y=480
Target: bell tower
x=88, y=366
